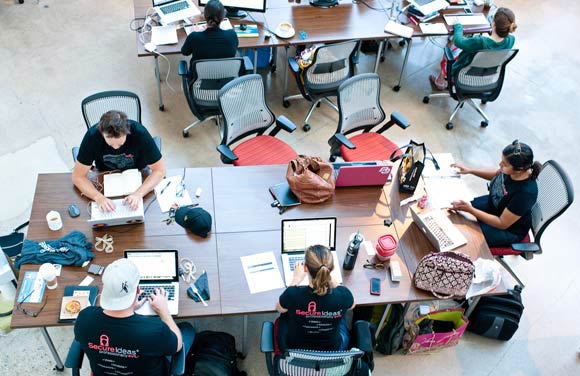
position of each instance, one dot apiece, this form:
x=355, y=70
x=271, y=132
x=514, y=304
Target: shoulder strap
x=21, y=226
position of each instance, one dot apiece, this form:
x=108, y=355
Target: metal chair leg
x=312, y=107
x=479, y=110
x=456, y=110
x=331, y=104
x=509, y=270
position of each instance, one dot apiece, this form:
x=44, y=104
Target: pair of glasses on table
x=29, y=312
x=374, y=265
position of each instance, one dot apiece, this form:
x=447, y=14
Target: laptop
x=122, y=215
x=174, y=10
x=299, y=234
x=158, y=269
x=429, y=6
x=357, y=174
x=439, y=230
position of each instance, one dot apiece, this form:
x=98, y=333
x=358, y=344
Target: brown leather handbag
x=311, y=179
x=445, y=274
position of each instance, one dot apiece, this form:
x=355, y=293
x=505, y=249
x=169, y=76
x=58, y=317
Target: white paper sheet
x=442, y=191
x=262, y=272
x=164, y=35
x=169, y=195
x=444, y=160
x=433, y=28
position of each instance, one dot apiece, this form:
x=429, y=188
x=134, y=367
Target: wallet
x=202, y=287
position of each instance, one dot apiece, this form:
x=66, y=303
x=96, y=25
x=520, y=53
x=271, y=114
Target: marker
x=164, y=188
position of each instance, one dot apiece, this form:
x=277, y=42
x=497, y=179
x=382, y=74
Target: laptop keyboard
x=437, y=231
x=147, y=290
x=171, y=8
x=293, y=260
x=121, y=211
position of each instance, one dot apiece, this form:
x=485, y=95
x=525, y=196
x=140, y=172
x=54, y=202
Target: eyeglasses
x=373, y=265
x=20, y=308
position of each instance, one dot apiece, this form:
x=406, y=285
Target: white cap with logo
x=120, y=282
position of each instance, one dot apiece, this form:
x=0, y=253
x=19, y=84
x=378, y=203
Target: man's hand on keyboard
x=158, y=301
x=133, y=201
x=299, y=273
x=106, y=205
x=461, y=205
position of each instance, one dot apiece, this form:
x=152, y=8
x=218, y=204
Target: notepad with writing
x=251, y=31
x=75, y=299
x=122, y=183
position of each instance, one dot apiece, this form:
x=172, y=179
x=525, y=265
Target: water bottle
x=352, y=252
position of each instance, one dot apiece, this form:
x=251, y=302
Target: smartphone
x=375, y=286
x=468, y=10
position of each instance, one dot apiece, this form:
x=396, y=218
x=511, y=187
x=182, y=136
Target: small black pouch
x=202, y=287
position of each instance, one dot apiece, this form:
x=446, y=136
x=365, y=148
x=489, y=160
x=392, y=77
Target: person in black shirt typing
x=313, y=316
x=505, y=214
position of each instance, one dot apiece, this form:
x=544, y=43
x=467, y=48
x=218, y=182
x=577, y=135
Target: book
x=122, y=183
x=396, y=28
x=251, y=31
x=75, y=299
x=282, y=193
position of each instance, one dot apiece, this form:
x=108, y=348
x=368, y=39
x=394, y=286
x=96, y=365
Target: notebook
x=122, y=215
x=158, y=269
x=396, y=28
x=439, y=230
x=299, y=234
x=75, y=299
x=357, y=174
x=163, y=35
x=122, y=183
x=282, y=193
x=251, y=31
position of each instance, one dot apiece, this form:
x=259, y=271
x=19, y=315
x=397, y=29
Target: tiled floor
x=54, y=53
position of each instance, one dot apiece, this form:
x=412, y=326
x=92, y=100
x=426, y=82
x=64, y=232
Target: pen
x=164, y=188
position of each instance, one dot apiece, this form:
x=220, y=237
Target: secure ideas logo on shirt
x=312, y=312
x=104, y=348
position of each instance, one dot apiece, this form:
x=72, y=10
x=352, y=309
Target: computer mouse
x=243, y=26
x=73, y=210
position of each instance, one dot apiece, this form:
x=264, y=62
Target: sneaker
x=435, y=85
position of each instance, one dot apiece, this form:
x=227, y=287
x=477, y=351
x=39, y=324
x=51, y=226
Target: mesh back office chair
x=481, y=79
x=94, y=106
x=359, y=108
x=320, y=363
x=331, y=65
x=555, y=195
x=201, y=86
x=245, y=112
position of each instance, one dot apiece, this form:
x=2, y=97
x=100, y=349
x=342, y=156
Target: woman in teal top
x=502, y=26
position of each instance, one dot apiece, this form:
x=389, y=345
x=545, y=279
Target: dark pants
x=187, y=337
x=281, y=331
x=494, y=237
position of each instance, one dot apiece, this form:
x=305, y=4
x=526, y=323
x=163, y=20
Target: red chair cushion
x=506, y=251
x=263, y=150
x=370, y=146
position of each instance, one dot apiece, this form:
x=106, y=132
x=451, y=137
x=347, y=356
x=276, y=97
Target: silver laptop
x=439, y=230
x=429, y=6
x=122, y=215
x=174, y=10
x=299, y=234
x=158, y=269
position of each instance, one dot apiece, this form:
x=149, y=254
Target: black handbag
x=12, y=244
x=412, y=164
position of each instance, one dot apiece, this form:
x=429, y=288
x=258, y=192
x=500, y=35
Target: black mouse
x=73, y=210
x=243, y=26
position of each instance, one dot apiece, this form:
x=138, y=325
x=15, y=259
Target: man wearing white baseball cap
x=119, y=341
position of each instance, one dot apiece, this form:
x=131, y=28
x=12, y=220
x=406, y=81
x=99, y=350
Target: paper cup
x=54, y=220
x=48, y=273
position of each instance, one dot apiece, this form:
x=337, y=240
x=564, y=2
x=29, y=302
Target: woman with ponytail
x=313, y=316
x=505, y=215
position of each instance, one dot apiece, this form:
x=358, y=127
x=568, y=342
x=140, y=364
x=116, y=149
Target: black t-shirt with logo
x=138, y=151
x=313, y=320
x=518, y=196
x=135, y=345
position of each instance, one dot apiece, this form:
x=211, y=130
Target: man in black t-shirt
x=117, y=143
x=118, y=341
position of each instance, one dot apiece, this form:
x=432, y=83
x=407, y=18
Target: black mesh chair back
x=359, y=104
x=243, y=105
x=94, y=106
x=555, y=195
x=318, y=363
x=483, y=77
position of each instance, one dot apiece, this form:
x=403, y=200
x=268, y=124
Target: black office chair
x=331, y=65
x=202, y=82
x=245, y=111
x=94, y=106
x=318, y=363
x=481, y=79
x=555, y=195
x=359, y=108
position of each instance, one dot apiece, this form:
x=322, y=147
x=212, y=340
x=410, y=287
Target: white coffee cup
x=48, y=273
x=54, y=220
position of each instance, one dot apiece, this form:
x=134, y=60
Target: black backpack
x=213, y=354
x=391, y=334
x=497, y=317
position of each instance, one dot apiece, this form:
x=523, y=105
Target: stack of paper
x=262, y=273
x=164, y=35
x=172, y=191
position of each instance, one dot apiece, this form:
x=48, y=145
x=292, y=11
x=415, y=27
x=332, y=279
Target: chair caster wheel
x=449, y=125
x=426, y=99
x=397, y=88
x=389, y=45
x=286, y=104
x=333, y=158
x=382, y=59
x=318, y=105
x=402, y=43
x=483, y=102
x=161, y=107
x=272, y=69
x=185, y=134
x=306, y=127
x=57, y=368
x=484, y=124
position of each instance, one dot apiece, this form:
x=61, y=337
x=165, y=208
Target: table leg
x=255, y=60
x=59, y=366
x=398, y=86
x=382, y=321
x=245, y=336
x=158, y=79
x=285, y=63
x=379, y=54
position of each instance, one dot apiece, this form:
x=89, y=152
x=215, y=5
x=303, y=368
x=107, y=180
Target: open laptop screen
x=154, y=265
x=299, y=234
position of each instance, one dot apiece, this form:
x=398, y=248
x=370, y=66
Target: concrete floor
x=54, y=53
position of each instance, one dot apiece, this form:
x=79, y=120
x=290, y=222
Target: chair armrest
x=341, y=138
x=248, y=65
x=267, y=339
x=293, y=64
x=178, y=363
x=75, y=153
x=182, y=68
x=396, y=118
x=227, y=152
x=526, y=247
x=74, y=358
x=362, y=336
x=282, y=122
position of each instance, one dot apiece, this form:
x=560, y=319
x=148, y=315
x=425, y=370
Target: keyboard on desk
x=147, y=290
x=443, y=234
x=121, y=211
x=437, y=231
x=171, y=8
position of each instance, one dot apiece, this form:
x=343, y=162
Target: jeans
x=187, y=337
x=282, y=331
x=494, y=237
